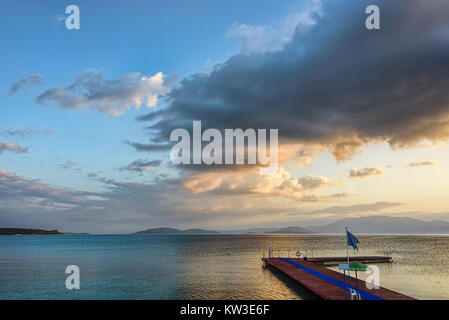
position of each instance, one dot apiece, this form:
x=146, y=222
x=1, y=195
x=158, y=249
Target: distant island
x=176, y=231
x=21, y=231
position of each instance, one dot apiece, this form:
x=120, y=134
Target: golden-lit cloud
x=280, y=184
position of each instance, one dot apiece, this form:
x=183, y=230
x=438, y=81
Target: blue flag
x=352, y=240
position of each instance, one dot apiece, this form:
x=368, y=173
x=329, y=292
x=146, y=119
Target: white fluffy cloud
x=265, y=38
x=91, y=91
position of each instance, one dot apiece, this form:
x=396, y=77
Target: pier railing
x=288, y=253
x=324, y=259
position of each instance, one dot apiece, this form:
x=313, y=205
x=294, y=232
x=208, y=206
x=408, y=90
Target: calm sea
x=202, y=266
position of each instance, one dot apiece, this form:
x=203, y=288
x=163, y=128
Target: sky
x=86, y=115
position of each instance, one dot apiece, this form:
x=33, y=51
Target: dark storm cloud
x=335, y=83
x=25, y=82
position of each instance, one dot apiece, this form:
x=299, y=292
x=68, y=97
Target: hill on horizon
x=384, y=225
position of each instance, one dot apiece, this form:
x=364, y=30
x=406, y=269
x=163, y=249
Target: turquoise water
x=202, y=266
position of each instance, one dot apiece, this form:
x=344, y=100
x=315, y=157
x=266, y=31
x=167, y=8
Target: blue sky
x=362, y=115
x=174, y=37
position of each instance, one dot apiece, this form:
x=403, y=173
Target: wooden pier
x=325, y=283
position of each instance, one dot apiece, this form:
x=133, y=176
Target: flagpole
x=349, y=269
x=347, y=247
x=347, y=253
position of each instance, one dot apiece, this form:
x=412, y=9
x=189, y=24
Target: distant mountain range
x=175, y=231
x=201, y=231
x=361, y=225
x=368, y=225
x=384, y=225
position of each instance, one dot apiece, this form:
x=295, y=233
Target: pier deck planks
x=323, y=288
